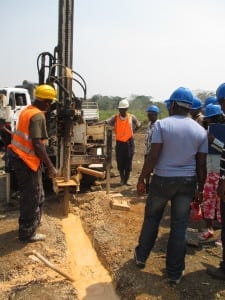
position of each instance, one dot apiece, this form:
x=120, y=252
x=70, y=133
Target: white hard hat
x=123, y=104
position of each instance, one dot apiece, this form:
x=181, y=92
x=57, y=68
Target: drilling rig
x=75, y=146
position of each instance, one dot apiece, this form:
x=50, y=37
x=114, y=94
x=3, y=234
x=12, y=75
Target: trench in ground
x=91, y=279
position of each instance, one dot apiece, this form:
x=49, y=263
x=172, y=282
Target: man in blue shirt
x=178, y=158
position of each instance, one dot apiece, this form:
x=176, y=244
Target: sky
x=121, y=47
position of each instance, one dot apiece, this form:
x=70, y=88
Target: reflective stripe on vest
x=21, y=144
x=22, y=134
x=123, y=128
x=23, y=148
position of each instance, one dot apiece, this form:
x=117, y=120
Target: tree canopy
x=138, y=104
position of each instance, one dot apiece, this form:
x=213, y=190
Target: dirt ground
x=113, y=234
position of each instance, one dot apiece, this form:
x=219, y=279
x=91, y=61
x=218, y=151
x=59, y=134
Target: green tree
x=108, y=106
x=140, y=103
x=106, y=102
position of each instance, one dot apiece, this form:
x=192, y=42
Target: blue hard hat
x=182, y=95
x=153, y=108
x=212, y=110
x=197, y=103
x=220, y=92
x=212, y=100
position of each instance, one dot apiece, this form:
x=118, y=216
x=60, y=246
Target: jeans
x=180, y=191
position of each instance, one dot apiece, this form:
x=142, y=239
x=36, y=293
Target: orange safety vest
x=21, y=143
x=123, y=128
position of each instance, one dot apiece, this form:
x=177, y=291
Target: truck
x=12, y=101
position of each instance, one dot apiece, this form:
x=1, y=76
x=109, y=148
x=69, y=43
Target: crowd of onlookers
x=184, y=162
x=185, y=159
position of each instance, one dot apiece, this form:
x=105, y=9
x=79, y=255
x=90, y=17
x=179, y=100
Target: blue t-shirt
x=182, y=139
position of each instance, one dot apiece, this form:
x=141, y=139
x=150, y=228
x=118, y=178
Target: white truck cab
x=12, y=101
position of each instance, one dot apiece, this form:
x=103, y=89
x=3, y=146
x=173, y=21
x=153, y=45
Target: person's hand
x=221, y=190
x=141, y=188
x=52, y=172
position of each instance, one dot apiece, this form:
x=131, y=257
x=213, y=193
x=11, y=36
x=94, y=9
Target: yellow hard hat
x=45, y=92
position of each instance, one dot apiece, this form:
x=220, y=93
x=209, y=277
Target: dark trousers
x=147, y=178
x=124, y=155
x=180, y=191
x=31, y=196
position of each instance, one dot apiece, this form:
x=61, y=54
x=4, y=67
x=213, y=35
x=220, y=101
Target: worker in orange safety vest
x=26, y=153
x=125, y=124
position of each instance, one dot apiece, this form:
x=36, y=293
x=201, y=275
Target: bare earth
x=113, y=234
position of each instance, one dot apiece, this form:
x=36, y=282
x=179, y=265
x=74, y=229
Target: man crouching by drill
x=26, y=154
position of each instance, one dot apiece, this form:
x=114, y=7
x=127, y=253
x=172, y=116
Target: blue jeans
x=180, y=191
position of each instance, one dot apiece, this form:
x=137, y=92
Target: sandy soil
x=113, y=234
x=91, y=279
x=22, y=276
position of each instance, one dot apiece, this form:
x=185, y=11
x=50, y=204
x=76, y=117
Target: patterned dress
x=211, y=203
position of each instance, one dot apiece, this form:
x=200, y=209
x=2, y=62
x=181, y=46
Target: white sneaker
x=37, y=237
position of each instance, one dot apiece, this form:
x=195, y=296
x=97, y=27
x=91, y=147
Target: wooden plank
x=113, y=195
x=59, y=181
x=119, y=204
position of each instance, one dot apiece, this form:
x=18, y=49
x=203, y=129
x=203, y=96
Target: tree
x=106, y=102
x=140, y=103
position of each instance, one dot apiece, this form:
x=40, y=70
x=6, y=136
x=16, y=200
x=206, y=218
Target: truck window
x=20, y=99
x=12, y=100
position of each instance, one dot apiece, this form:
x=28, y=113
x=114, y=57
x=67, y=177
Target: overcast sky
x=121, y=47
